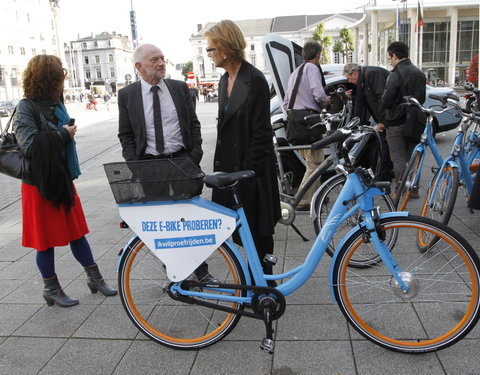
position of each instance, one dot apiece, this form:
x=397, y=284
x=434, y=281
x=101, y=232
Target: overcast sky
x=169, y=24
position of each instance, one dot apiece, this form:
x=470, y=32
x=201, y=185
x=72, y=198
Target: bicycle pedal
x=435, y=170
x=268, y=345
x=271, y=259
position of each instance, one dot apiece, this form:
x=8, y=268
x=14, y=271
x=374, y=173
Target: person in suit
x=244, y=135
x=143, y=136
x=157, y=119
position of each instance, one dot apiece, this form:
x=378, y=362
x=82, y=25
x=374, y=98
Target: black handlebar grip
x=312, y=117
x=337, y=136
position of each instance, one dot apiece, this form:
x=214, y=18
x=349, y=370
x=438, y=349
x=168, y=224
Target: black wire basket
x=154, y=180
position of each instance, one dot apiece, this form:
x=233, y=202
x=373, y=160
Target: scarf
x=70, y=148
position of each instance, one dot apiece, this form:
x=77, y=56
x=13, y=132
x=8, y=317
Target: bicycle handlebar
x=336, y=136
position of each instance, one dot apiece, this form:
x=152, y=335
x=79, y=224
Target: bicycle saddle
x=223, y=179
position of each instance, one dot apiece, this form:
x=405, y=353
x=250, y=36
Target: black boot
x=96, y=283
x=54, y=294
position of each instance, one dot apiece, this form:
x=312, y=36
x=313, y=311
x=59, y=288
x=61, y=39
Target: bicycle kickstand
x=268, y=345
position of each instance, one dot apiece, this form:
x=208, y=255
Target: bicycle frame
x=353, y=189
x=458, y=159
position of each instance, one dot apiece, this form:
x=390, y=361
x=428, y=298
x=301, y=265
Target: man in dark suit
x=142, y=133
x=157, y=119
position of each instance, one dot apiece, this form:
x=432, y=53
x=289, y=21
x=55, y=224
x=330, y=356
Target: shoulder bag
x=299, y=130
x=13, y=162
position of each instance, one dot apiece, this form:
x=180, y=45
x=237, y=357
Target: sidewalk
x=96, y=337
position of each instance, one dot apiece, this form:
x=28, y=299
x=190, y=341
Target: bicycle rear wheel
x=143, y=287
x=442, y=205
x=404, y=190
x=442, y=304
x=323, y=204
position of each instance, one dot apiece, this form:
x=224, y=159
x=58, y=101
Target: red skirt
x=46, y=226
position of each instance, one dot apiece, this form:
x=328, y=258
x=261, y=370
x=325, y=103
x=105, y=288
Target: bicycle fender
x=385, y=215
x=133, y=238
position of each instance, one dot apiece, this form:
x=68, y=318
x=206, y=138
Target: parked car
x=6, y=108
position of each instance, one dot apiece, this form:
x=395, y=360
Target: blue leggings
x=80, y=250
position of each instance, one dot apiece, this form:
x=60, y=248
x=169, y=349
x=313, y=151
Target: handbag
x=415, y=119
x=299, y=130
x=13, y=162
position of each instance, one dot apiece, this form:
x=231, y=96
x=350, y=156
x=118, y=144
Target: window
x=87, y=74
x=253, y=60
x=34, y=51
x=22, y=50
x=44, y=51
x=112, y=72
x=99, y=73
x=84, y=45
x=252, y=47
x=10, y=50
x=42, y=36
x=85, y=59
x=200, y=50
x=336, y=57
x=95, y=44
x=110, y=58
x=97, y=59
x=54, y=41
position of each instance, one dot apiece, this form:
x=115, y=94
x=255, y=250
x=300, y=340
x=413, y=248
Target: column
x=355, y=45
x=452, y=54
x=413, y=36
x=374, y=26
x=365, y=44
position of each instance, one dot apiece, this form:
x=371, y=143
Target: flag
x=419, y=23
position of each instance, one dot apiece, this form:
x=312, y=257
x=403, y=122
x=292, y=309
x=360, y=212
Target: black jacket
x=370, y=88
x=404, y=80
x=131, y=123
x=244, y=142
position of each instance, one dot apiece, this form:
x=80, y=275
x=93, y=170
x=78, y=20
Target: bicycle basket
x=154, y=180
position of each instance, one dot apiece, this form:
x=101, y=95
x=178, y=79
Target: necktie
x=157, y=120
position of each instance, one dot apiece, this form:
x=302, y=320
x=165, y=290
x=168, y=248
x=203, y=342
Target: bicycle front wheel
x=143, y=287
x=443, y=201
x=442, y=303
x=404, y=190
x=323, y=204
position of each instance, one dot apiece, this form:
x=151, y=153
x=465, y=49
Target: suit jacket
x=131, y=125
x=245, y=142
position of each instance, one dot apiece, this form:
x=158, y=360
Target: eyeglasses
x=210, y=49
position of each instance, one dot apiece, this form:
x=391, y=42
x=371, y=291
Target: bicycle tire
x=143, y=288
x=443, y=202
x=330, y=189
x=404, y=189
x=442, y=304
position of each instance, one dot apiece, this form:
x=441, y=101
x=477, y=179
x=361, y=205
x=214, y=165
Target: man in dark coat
x=370, y=83
x=138, y=129
x=404, y=80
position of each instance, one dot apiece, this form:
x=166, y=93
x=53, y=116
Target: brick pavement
x=96, y=336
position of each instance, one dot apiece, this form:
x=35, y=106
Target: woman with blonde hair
x=51, y=209
x=244, y=135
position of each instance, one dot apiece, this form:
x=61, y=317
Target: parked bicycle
x=410, y=181
x=407, y=302
x=458, y=168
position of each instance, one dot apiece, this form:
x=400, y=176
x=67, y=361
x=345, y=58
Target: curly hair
x=228, y=37
x=43, y=77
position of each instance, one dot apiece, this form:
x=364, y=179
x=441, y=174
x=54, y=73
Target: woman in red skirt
x=52, y=212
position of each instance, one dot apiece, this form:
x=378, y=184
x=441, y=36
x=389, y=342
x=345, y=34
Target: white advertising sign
x=181, y=235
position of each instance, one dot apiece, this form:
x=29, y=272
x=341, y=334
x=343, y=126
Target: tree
x=344, y=43
x=324, y=40
x=473, y=71
x=188, y=67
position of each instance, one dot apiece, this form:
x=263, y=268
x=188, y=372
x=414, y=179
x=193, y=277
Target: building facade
x=100, y=62
x=295, y=28
x=442, y=48
x=28, y=28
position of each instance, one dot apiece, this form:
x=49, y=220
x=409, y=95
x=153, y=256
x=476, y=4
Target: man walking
x=404, y=80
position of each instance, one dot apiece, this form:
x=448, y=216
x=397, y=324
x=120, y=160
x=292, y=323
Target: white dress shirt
x=172, y=135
